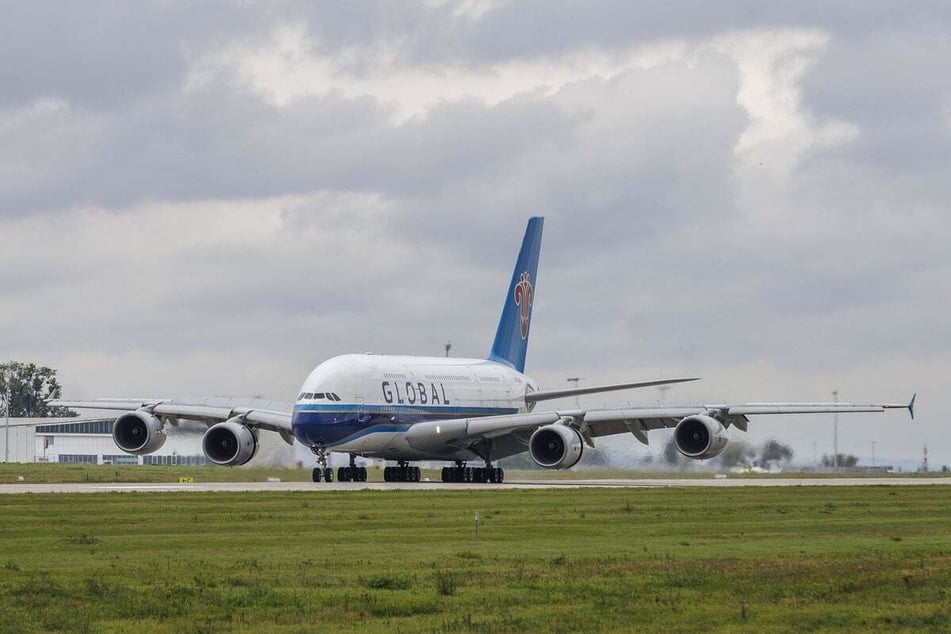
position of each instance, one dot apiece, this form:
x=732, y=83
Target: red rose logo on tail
x=523, y=299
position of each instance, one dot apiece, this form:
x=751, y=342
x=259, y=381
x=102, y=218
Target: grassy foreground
x=43, y=473
x=730, y=560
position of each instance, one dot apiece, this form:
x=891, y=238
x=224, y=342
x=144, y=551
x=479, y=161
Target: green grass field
x=52, y=473
x=794, y=559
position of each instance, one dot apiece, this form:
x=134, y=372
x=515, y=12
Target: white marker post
x=477, y=522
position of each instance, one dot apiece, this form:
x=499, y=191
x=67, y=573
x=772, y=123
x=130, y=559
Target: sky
x=212, y=198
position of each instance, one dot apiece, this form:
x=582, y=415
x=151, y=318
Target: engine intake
x=700, y=437
x=138, y=432
x=556, y=446
x=229, y=444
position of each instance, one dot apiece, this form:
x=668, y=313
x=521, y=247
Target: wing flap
x=805, y=408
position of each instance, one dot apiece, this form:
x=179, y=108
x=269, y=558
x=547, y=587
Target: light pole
x=6, y=440
x=835, y=433
x=574, y=380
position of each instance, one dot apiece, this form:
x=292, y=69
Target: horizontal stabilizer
x=534, y=397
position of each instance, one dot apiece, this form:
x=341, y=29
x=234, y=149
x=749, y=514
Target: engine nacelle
x=138, y=432
x=229, y=444
x=556, y=446
x=700, y=437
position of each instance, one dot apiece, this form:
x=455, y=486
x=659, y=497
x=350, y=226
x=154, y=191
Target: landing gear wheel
x=317, y=474
x=329, y=474
x=402, y=473
x=344, y=475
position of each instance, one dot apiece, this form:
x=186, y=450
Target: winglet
x=910, y=406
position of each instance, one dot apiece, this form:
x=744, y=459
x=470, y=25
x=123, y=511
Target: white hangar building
x=85, y=441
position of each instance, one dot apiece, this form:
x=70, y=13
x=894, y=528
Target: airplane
x=406, y=409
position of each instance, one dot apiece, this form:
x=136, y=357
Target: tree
x=30, y=388
x=775, y=451
x=845, y=460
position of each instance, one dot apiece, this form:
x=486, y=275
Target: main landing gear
x=403, y=473
x=462, y=473
x=353, y=473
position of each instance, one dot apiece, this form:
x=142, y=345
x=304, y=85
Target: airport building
x=84, y=441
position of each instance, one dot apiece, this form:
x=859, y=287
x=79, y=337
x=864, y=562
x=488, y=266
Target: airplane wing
x=277, y=416
x=471, y=432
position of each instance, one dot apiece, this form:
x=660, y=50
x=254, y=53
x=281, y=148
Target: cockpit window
x=316, y=396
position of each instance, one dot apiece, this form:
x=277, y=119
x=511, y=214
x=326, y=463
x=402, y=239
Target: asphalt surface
x=317, y=487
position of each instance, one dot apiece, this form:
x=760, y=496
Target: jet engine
x=556, y=446
x=700, y=437
x=229, y=444
x=138, y=432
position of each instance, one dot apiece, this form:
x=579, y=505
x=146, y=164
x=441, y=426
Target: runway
x=320, y=487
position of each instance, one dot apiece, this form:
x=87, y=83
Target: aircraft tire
x=328, y=475
x=317, y=474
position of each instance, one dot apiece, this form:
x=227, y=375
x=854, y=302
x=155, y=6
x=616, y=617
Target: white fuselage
x=364, y=403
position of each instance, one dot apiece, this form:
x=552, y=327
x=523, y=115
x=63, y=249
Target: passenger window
x=319, y=395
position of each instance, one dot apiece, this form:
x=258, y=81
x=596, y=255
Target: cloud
x=212, y=200
x=291, y=64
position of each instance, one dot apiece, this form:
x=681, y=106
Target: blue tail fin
x=511, y=339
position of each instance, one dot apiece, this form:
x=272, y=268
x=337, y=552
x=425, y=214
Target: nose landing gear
x=322, y=471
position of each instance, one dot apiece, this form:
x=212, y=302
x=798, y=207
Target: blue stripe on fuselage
x=330, y=425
